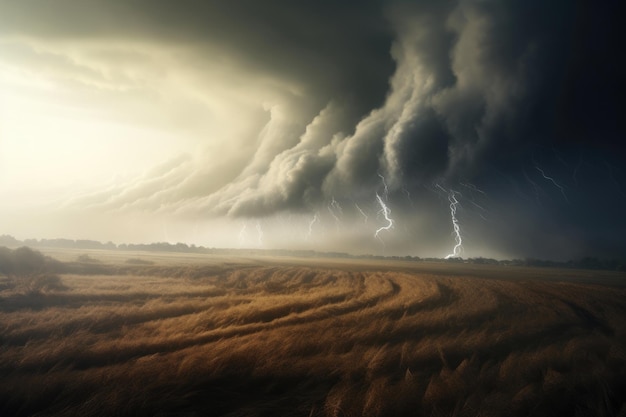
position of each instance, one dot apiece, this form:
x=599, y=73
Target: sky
x=393, y=127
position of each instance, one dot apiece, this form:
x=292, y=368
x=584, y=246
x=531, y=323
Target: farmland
x=170, y=334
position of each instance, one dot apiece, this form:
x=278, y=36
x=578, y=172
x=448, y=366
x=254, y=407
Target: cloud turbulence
x=303, y=109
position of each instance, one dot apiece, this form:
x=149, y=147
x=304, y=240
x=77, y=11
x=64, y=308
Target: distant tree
x=182, y=247
x=6, y=260
x=28, y=261
x=89, y=244
x=85, y=258
x=8, y=240
x=110, y=245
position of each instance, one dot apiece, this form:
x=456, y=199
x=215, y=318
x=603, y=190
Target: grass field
x=140, y=334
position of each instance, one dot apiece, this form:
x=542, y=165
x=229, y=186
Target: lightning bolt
x=242, y=235
x=385, y=188
x=534, y=184
x=477, y=205
x=335, y=205
x=408, y=195
x=332, y=213
x=362, y=212
x=553, y=182
x=472, y=198
x=311, y=223
x=386, y=212
x=456, y=252
x=441, y=188
x=472, y=187
x=558, y=157
x=335, y=210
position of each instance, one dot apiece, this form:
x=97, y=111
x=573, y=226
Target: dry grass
x=260, y=337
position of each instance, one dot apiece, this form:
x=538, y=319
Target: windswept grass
x=286, y=338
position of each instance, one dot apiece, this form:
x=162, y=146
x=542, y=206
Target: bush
x=27, y=261
x=25, y=267
x=137, y=261
x=86, y=259
x=46, y=282
x=6, y=260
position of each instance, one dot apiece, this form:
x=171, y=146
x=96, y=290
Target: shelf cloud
x=286, y=107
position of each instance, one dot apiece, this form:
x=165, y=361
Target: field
x=143, y=334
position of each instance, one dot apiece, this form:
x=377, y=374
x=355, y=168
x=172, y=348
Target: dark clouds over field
x=513, y=104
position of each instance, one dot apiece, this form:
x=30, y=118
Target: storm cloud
x=513, y=104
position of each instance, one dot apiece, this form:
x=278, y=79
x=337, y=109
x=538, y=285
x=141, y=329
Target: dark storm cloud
x=484, y=92
x=519, y=99
x=330, y=49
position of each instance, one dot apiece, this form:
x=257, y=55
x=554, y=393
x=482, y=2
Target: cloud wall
x=291, y=107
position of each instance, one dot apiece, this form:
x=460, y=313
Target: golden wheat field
x=143, y=334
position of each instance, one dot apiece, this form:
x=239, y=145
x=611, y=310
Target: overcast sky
x=313, y=124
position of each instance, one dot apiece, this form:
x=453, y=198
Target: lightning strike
x=472, y=197
x=335, y=210
x=385, y=212
x=477, y=205
x=311, y=223
x=441, y=188
x=332, y=213
x=553, y=182
x=242, y=235
x=472, y=187
x=535, y=186
x=456, y=252
x=408, y=195
x=385, y=188
x=365, y=217
x=335, y=205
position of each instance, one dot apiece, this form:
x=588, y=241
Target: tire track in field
x=368, y=291
x=253, y=300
